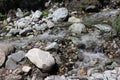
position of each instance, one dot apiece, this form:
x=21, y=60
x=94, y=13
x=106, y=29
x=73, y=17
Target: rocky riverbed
x=59, y=45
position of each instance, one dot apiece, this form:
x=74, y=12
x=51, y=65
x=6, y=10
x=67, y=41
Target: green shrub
x=45, y=13
x=116, y=24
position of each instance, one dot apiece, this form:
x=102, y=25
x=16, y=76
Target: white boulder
x=42, y=59
x=60, y=13
x=77, y=28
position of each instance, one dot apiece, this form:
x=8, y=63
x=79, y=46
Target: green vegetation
x=116, y=24
x=45, y=13
x=80, y=7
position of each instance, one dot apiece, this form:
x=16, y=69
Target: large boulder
x=42, y=59
x=60, y=13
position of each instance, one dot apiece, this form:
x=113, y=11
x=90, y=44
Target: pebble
x=26, y=69
x=53, y=45
x=55, y=77
x=42, y=59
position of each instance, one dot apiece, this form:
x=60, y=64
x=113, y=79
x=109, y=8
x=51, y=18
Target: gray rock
x=77, y=28
x=2, y=57
x=9, y=27
x=103, y=27
x=60, y=13
x=13, y=77
x=35, y=15
x=55, y=77
x=21, y=23
x=14, y=31
x=38, y=27
x=100, y=17
x=17, y=57
x=53, y=45
x=19, y=13
x=50, y=24
x=90, y=38
x=7, y=48
x=8, y=35
x=108, y=74
x=42, y=59
x=10, y=64
x=25, y=31
x=74, y=19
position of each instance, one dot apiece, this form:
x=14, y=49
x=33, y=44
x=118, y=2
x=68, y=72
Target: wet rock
x=103, y=27
x=55, y=77
x=77, y=28
x=42, y=59
x=74, y=19
x=60, y=13
x=100, y=17
x=2, y=57
x=53, y=45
